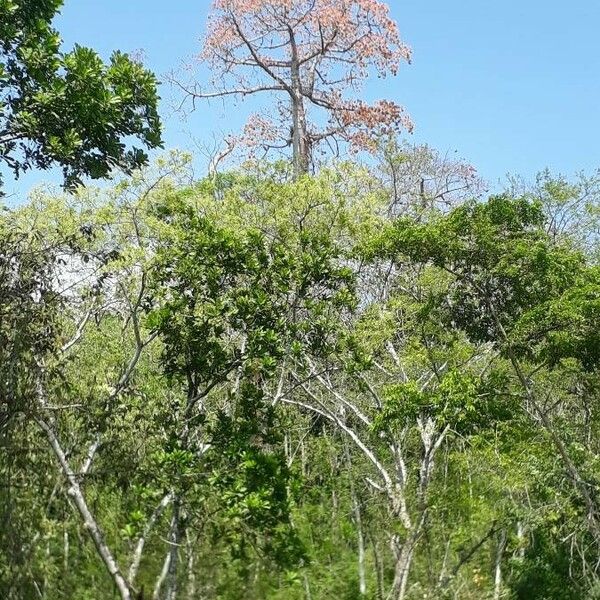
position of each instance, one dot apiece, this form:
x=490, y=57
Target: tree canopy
x=364, y=379
x=69, y=109
x=310, y=56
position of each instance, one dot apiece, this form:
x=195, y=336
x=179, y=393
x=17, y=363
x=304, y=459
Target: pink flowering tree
x=310, y=57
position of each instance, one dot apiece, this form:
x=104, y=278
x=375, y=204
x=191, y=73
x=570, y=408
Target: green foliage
x=248, y=355
x=28, y=334
x=221, y=304
x=251, y=477
x=542, y=572
x=69, y=108
x=217, y=280
x=566, y=327
x=502, y=261
x=461, y=400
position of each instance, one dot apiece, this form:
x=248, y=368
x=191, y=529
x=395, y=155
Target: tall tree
x=28, y=324
x=535, y=301
x=204, y=385
x=310, y=55
x=69, y=109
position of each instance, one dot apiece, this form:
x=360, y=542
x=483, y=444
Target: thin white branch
x=91, y=453
x=89, y=522
x=139, y=547
x=79, y=332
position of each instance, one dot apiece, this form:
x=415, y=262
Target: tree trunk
x=89, y=522
x=307, y=593
x=362, y=582
x=300, y=148
x=168, y=572
x=174, y=539
x=161, y=578
x=521, y=539
x=139, y=547
x=498, y=565
x=191, y=576
x=65, y=551
x=404, y=556
x=378, y=568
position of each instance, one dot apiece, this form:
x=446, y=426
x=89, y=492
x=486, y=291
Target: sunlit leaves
x=69, y=109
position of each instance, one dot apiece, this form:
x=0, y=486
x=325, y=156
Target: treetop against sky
x=510, y=86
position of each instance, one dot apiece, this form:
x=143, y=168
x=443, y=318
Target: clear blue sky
x=513, y=85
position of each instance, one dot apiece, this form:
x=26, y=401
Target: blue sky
x=512, y=86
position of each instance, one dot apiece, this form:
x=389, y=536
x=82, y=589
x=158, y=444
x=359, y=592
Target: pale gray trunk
x=521, y=539
x=89, y=522
x=191, y=577
x=307, y=593
x=442, y=576
x=174, y=540
x=162, y=577
x=300, y=147
x=168, y=574
x=66, y=551
x=404, y=555
x=299, y=137
x=139, y=547
x=362, y=581
x=378, y=568
x=498, y=565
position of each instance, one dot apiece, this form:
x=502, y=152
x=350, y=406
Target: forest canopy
x=345, y=370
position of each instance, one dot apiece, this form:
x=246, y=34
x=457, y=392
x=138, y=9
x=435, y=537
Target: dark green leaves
x=69, y=109
x=226, y=298
x=462, y=401
x=567, y=326
x=501, y=261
